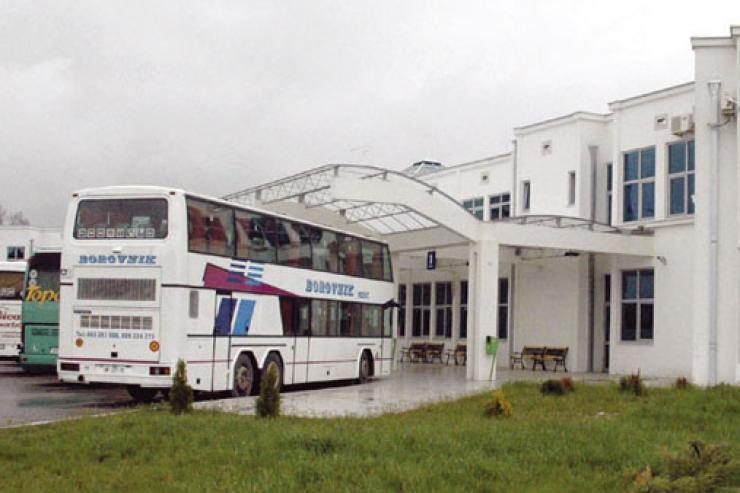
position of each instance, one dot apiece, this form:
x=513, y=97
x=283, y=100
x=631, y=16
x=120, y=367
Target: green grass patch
x=587, y=440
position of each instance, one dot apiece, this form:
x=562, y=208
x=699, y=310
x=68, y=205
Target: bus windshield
x=121, y=218
x=43, y=273
x=11, y=285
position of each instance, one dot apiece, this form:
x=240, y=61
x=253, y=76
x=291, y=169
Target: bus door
x=296, y=314
x=221, y=366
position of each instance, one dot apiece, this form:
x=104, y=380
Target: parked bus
x=11, y=287
x=40, y=313
x=151, y=275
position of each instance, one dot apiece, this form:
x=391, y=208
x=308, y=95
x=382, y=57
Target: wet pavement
x=28, y=398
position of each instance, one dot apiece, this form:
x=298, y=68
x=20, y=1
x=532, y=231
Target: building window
x=474, y=206
x=500, y=206
x=16, y=253
x=503, y=308
x=571, y=187
x=607, y=317
x=681, y=172
x=443, y=303
x=639, y=184
x=422, y=298
x=609, y=181
x=526, y=194
x=637, y=304
x=463, y=309
x=402, y=310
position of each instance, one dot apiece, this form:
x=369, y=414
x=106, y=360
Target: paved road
x=28, y=398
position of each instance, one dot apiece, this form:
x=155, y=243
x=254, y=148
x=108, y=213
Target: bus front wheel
x=364, y=368
x=243, y=377
x=142, y=394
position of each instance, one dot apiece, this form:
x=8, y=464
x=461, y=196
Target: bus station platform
x=409, y=387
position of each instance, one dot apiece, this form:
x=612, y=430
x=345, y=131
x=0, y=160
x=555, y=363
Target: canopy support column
x=482, y=306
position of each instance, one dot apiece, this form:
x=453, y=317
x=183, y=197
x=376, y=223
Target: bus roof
x=148, y=190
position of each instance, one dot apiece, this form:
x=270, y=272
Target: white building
x=614, y=235
x=19, y=242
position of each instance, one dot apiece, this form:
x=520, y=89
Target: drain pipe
x=715, y=88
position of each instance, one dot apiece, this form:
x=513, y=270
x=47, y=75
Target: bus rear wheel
x=243, y=377
x=142, y=394
x=364, y=368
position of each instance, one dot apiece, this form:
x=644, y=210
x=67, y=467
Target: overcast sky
x=218, y=96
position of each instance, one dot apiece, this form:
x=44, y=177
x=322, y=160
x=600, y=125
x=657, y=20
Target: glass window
x=255, y=236
x=421, y=309
x=609, y=180
x=319, y=318
x=293, y=244
x=402, y=310
x=121, y=218
x=387, y=266
x=639, y=185
x=681, y=174
x=372, y=259
x=372, y=320
x=11, y=285
x=350, y=319
x=474, y=206
x=571, y=187
x=303, y=313
x=463, y=309
x=349, y=254
x=443, y=307
x=499, y=206
x=526, y=194
x=637, y=304
x=324, y=247
x=503, y=308
x=210, y=228
x=15, y=253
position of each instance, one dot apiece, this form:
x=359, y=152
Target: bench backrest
x=417, y=346
x=556, y=351
x=435, y=347
x=461, y=348
x=533, y=350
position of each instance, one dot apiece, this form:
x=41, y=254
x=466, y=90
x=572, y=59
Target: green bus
x=40, y=313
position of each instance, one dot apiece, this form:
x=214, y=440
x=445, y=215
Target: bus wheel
x=142, y=394
x=273, y=361
x=243, y=377
x=364, y=368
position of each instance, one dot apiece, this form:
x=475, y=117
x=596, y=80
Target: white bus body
x=11, y=287
x=137, y=295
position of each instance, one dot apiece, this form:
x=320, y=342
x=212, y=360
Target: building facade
x=19, y=242
x=662, y=164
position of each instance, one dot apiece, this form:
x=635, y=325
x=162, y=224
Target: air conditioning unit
x=682, y=124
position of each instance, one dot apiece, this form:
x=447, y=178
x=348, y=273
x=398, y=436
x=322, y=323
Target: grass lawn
x=586, y=442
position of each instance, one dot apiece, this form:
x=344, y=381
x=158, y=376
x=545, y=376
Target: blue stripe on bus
x=243, y=317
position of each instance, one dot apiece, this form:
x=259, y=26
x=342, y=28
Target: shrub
x=682, y=383
x=568, y=384
x=704, y=469
x=181, y=394
x=268, y=402
x=633, y=384
x=498, y=405
x=552, y=387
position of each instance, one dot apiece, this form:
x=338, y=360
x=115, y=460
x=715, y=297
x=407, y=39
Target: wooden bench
x=532, y=353
x=460, y=352
x=557, y=355
x=434, y=350
x=415, y=352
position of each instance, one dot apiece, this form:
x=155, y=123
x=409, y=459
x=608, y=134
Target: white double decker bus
x=151, y=275
x=11, y=289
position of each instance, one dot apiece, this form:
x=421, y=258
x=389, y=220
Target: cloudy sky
x=218, y=96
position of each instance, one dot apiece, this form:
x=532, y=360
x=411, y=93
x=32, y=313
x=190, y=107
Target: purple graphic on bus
x=243, y=276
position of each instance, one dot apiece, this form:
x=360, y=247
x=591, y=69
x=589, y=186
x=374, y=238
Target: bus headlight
x=154, y=346
x=79, y=342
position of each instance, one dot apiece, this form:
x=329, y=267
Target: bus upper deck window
x=121, y=218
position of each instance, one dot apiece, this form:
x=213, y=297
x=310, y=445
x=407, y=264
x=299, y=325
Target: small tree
x=18, y=219
x=181, y=394
x=268, y=402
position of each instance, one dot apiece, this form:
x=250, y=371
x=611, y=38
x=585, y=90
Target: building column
x=482, y=306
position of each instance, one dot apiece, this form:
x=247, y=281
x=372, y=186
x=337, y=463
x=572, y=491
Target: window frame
x=15, y=250
x=462, y=331
x=526, y=195
x=503, y=305
x=424, y=309
x=639, y=303
x=501, y=203
x=685, y=174
x=476, y=206
x=639, y=182
x=443, y=308
x=572, y=187
x=401, y=313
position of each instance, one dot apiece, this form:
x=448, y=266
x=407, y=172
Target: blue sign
x=431, y=260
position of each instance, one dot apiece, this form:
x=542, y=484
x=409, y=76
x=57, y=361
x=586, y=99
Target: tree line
x=16, y=218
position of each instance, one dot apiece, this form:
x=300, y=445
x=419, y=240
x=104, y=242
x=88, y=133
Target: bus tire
x=244, y=377
x=365, y=367
x=273, y=360
x=142, y=394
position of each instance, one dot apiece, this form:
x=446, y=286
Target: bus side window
x=350, y=319
x=371, y=320
x=387, y=267
x=324, y=250
x=372, y=260
x=255, y=237
x=286, y=313
x=210, y=228
x=350, y=256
